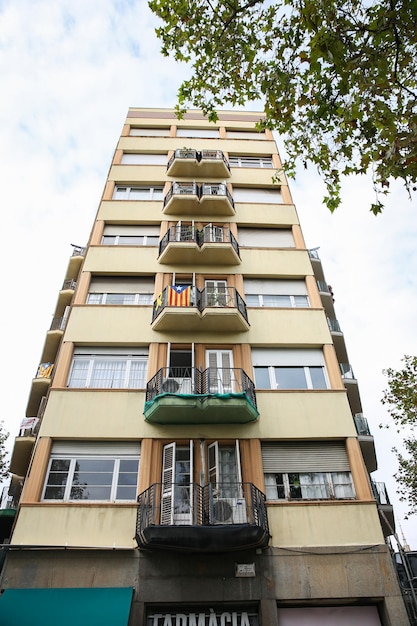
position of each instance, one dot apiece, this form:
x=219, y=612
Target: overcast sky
x=69, y=72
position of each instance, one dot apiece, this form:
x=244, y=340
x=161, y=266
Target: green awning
x=108, y=606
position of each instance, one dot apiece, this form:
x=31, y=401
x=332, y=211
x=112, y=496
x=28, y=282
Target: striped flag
x=179, y=295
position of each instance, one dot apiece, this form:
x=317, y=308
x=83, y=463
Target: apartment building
x=194, y=451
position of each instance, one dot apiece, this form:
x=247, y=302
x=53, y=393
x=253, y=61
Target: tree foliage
x=401, y=400
x=336, y=78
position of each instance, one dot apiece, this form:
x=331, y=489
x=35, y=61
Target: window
x=130, y=235
x=208, y=133
x=121, y=290
x=250, y=161
x=93, y=471
x=108, y=371
x=307, y=471
x=149, y=132
x=289, y=369
x=138, y=158
x=138, y=193
x=275, y=293
x=257, y=195
x=266, y=238
x=245, y=134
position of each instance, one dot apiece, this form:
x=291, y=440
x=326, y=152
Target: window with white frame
x=121, y=290
x=206, y=133
x=104, y=472
x=124, y=235
x=275, y=293
x=281, y=368
x=112, y=369
x=307, y=471
x=257, y=195
x=138, y=193
x=143, y=158
x=136, y=131
x=250, y=161
x=245, y=134
x=265, y=238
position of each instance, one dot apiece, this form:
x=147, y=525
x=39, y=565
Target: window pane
x=79, y=373
x=131, y=240
x=262, y=378
x=290, y=378
x=120, y=298
x=108, y=374
x=137, y=378
x=126, y=493
x=278, y=301
x=317, y=378
x=342, y=485
x=274, y=484
x=54, y=493
x=145, y=298
x=314, y=486
x=252, y=300
x=108, y=240
x=94, y=298
x=87, y=492
x=294, y=485
x=301, y=301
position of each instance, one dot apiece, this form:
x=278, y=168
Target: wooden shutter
x=168, y=469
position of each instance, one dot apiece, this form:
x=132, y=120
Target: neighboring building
x=194, y=451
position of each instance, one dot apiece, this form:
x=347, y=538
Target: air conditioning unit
x=229, y=511
x=177, y=385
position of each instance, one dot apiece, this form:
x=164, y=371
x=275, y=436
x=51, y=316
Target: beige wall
x=107, y=526
x=324, y=524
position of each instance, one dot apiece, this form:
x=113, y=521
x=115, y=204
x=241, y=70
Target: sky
x=69, y=72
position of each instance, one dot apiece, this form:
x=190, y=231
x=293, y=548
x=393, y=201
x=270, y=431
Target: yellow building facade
x=194, y=451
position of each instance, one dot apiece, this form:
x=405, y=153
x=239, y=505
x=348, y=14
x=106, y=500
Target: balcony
x=212, y=245
x=352, y=388
x=198, y=519
x=40, y=386
x=385, y=508
x=187, y=308
x=181, y=395
x=54, y=336
x=23, y=446
x=207, y=163
x=193, y=199
x=366, y=442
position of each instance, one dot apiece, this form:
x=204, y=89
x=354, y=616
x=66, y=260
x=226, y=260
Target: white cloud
x=70, y=70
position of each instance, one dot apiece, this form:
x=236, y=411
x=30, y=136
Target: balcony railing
x=347, y=371
x=228, y=297
x=204, y=155
x=58, y=323
x=361, y=423
x=334, y=325
x=211, y=518
x=184, y=233
x=69, y=284
x=380, y=493
x=199, y=191
x=194, y=381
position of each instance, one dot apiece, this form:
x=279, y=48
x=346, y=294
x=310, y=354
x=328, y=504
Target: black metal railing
x=186, y=233
x=200, y=191
x=204, y=155
x=227, y=297
x=380, y=493
x=179, y=504
x=192, y=380
x=361, y=423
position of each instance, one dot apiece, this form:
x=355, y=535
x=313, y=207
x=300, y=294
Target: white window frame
x=292, y=298
x=73, y=459
x=126, y=192
x=274, y=384
x=144, y=158
x=263, y=162
x=139, y=299
x=329, y=486
x=93, y=360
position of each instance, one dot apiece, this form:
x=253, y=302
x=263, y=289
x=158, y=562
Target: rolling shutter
x=93, y=448
x=122, y=284
x=305, y=457
x=287, y=357
x=275, y=287
x=266, y=238
x=134, y=231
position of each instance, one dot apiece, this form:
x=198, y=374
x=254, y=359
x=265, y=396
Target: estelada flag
x=179, y=295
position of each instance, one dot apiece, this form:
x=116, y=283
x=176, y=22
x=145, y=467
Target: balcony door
x=177, y=477
x=216, y=292
x=220, y=364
